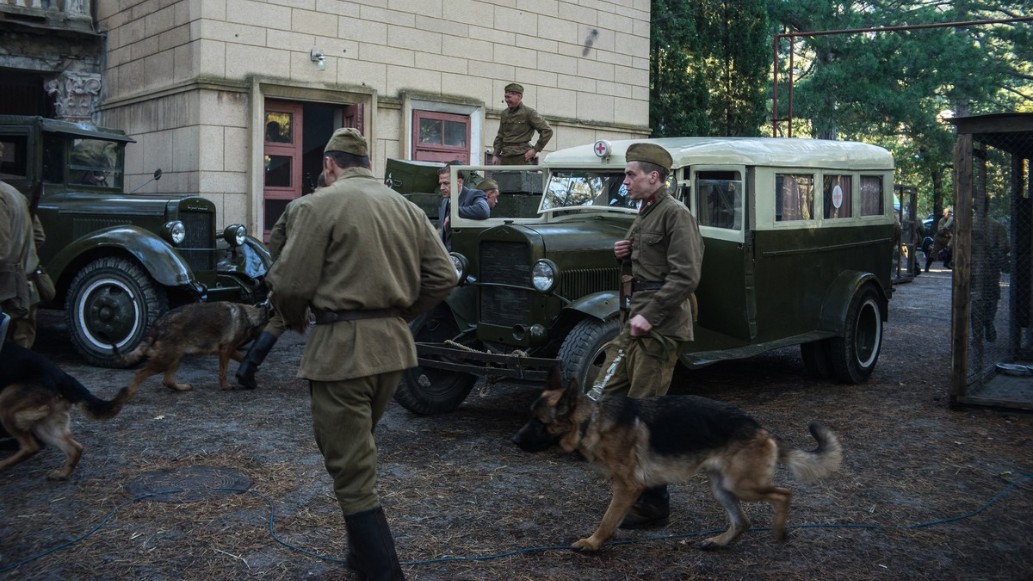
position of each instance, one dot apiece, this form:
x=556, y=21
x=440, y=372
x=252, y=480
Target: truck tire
x=816, y=359
x=427, y=390
x=583, y=351
x=855, y=353
x=111, y=299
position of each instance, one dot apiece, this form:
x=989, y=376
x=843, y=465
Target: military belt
x=326, y=317
x=646, y=285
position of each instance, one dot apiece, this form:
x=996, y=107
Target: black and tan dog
x=35, y=396
x=218, y=328
x=642, y=443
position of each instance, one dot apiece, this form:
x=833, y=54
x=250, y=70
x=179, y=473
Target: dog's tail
x=812, y=465
x=134, y=356
x=92, y=406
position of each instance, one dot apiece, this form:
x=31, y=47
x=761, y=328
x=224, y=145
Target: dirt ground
x=229, y=485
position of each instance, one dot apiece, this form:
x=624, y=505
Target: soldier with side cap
x=664, y=250
x=516, y=128
x=364, y=260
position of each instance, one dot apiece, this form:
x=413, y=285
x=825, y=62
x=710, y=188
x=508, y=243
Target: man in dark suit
x=472, y=204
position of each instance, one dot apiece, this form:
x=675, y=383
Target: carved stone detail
x=75, y=95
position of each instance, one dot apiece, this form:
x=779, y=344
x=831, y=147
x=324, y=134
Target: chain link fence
x=994, y=268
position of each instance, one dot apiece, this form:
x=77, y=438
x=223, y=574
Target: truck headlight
x=235, y=235
x=461, y=264
x=543, y=275
x=175, y=232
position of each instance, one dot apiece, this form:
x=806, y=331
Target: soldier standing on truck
x=664, y=251
x=516, y=127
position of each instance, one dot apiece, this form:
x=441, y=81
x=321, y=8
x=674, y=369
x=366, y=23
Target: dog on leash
x=35, y=396
x=218, y=328
x=641, y=443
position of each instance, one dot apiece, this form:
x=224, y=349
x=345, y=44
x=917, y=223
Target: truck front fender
x=159, y=257
x=602, y=305
x=462, y=301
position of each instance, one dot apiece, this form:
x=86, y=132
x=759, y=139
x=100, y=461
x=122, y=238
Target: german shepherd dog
x=642, y=443
x=195, y=329
x=35, y=396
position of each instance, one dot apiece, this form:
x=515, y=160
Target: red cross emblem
x=602, y=148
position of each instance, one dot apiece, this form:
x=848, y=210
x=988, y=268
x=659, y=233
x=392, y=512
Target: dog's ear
x=568, y=401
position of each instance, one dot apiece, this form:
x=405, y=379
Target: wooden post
x=961, y=302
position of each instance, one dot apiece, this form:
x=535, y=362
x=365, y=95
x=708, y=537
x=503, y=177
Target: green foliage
x=709, y=67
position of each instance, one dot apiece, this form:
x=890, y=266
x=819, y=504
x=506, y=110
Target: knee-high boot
x=371, y=551
x=255, y=356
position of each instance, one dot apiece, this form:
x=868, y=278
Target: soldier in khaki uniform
x=665, y=251
x=364, y=260
x=516, y=128
x=21, y=234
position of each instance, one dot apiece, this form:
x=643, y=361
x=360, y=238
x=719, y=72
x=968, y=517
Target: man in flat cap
x=664, y=252
x=516, y=128
x=364, y=260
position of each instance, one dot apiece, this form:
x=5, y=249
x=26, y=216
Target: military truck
x=798, y=241
x=120, y=260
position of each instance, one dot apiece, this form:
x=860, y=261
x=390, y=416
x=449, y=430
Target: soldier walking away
x=360, y=344
x=664, y=251
x=516, y=128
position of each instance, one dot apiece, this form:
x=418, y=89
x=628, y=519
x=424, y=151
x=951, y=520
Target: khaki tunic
x=666, y=246
x=516, y=128
x=17, y=252
x=359, y=245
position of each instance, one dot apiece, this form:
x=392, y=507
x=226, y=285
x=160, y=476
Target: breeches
x=646, y=368
x=344, y=414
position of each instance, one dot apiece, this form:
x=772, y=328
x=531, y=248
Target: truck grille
x=505, y=263
x=575, y=284
x=198, y=248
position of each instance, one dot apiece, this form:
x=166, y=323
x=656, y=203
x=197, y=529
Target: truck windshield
x=586, y=188
x=94, y=162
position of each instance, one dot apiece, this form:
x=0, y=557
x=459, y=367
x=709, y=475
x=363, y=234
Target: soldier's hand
x=529, y=154
x=622, y=248
x=640, y=326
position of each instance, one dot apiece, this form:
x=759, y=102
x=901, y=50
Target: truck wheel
x=111, y=299
x=816, y=359
x=583, y=351
x=854, y=355
x=428, y=390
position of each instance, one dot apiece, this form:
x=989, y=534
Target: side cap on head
x=649, y=153
x=514, y=88
x=348, y=140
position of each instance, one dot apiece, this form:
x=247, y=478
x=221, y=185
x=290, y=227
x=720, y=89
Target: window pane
x=871, y=196
x=277, y=171
x=455, y=133
x=719, y=199
x=430, y=131
x=794, y=197
x=838, y=193
x=278, y=127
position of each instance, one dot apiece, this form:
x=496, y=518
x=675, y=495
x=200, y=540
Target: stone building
x=234, y=99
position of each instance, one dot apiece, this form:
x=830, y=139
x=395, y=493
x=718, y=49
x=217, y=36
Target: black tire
x=855, y=354
x=111, y=299
x=583, y=351
x=816, y=359
x=426, y=390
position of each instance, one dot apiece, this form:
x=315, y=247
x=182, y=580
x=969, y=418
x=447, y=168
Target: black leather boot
x=371, y=548
x=651, y=510
x=255, y=356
